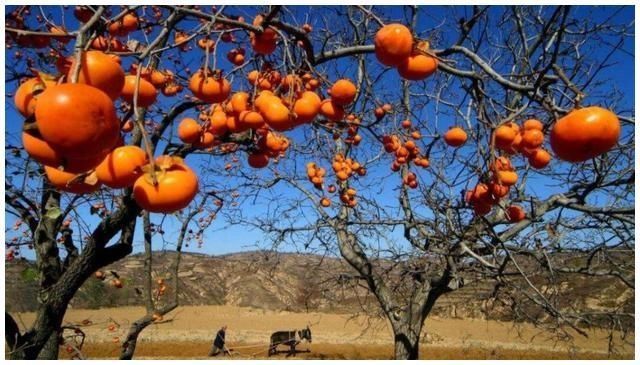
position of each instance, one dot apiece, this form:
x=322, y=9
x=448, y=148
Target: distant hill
x=277, y=281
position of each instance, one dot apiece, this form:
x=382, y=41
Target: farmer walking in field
x=219, y=343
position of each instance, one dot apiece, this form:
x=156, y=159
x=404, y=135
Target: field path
x=193, y=327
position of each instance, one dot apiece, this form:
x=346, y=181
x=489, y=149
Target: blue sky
x=222, y=237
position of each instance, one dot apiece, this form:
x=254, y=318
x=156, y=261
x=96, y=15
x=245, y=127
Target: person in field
x=219, y=343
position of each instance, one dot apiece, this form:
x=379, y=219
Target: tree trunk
x=129, y=344
x=406, y=343
x=50, y=349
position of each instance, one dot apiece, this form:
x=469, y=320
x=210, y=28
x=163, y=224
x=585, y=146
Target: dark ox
x=288, y=338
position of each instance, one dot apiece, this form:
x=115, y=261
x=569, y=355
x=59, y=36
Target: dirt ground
x=188, y=332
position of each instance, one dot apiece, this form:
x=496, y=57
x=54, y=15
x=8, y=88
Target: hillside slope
x=274, y=281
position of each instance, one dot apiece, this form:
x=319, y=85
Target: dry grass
x=195, y=350
x=187, y=333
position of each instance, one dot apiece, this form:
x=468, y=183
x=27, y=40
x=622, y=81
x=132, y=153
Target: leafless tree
x=579, y=223
x=409, y=247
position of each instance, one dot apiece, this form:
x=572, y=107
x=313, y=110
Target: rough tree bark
x=55, y=298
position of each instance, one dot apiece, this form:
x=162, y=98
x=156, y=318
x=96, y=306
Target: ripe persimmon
x=325, y=202
x=498, y=190
x=206, y=140
x=277, y=115
x=331, y=111
x=502, y=163
x=67, y=181
x=239, y=102
x=263, y=43
x=77, y=120
x=189, y=130
x=158, y=78
x=80, y=165
x=417, y=67
x=83, y=13
x=393, y=44
x=218, y=123
x=251, y=120
x=100, y=43
x=515, y=213
x=482, y=208
x=539, y=159
x=147, y=93
x=116, y=29
x=233, y=125
x=455, y=137
x=101, y=71
x=343, y=92
x=122, y=167
x=209, y=89
x=532, y=124
x=504, y=136
x=40, y=150
x=585, y=133
x=307, y=107
x=130, y=22
x=176, y=186
x=26, y=96
x=506, y=177
x=532, y=138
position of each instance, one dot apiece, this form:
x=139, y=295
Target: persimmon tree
x=507, y=195
x=130, y=111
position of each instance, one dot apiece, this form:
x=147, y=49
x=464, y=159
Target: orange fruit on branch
x=26, y=96
x=68, y=181
x=539, y=159
x=189, y=130
x=515, y=214
x=498, y=190
x=218, y=123
x=307, y=107
x=176, y=186
x=585, y=133
x=277, y=115
x=130, y=22
x=147, y=93
x=455, y=137
x=417, y=67
x=240, y=102
x=504, y=136
x=502, y=163
x=83, y=13
x=251, y=120
x=40, y=150
x=393, y=44
x=101, y=71
x=331, y=111
x=532, y=124
x=532, y=138
x=482, y=208
x=206, y=140
x=79, y=165
x=263, y=43
x=506, y=177
x=343, y=92
x=77, y=120
x=122, y=167
x=325, y=202
x=210, y=89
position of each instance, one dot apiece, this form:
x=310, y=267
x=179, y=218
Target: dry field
x=188, y=331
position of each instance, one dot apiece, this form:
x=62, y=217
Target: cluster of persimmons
x=74, y=131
